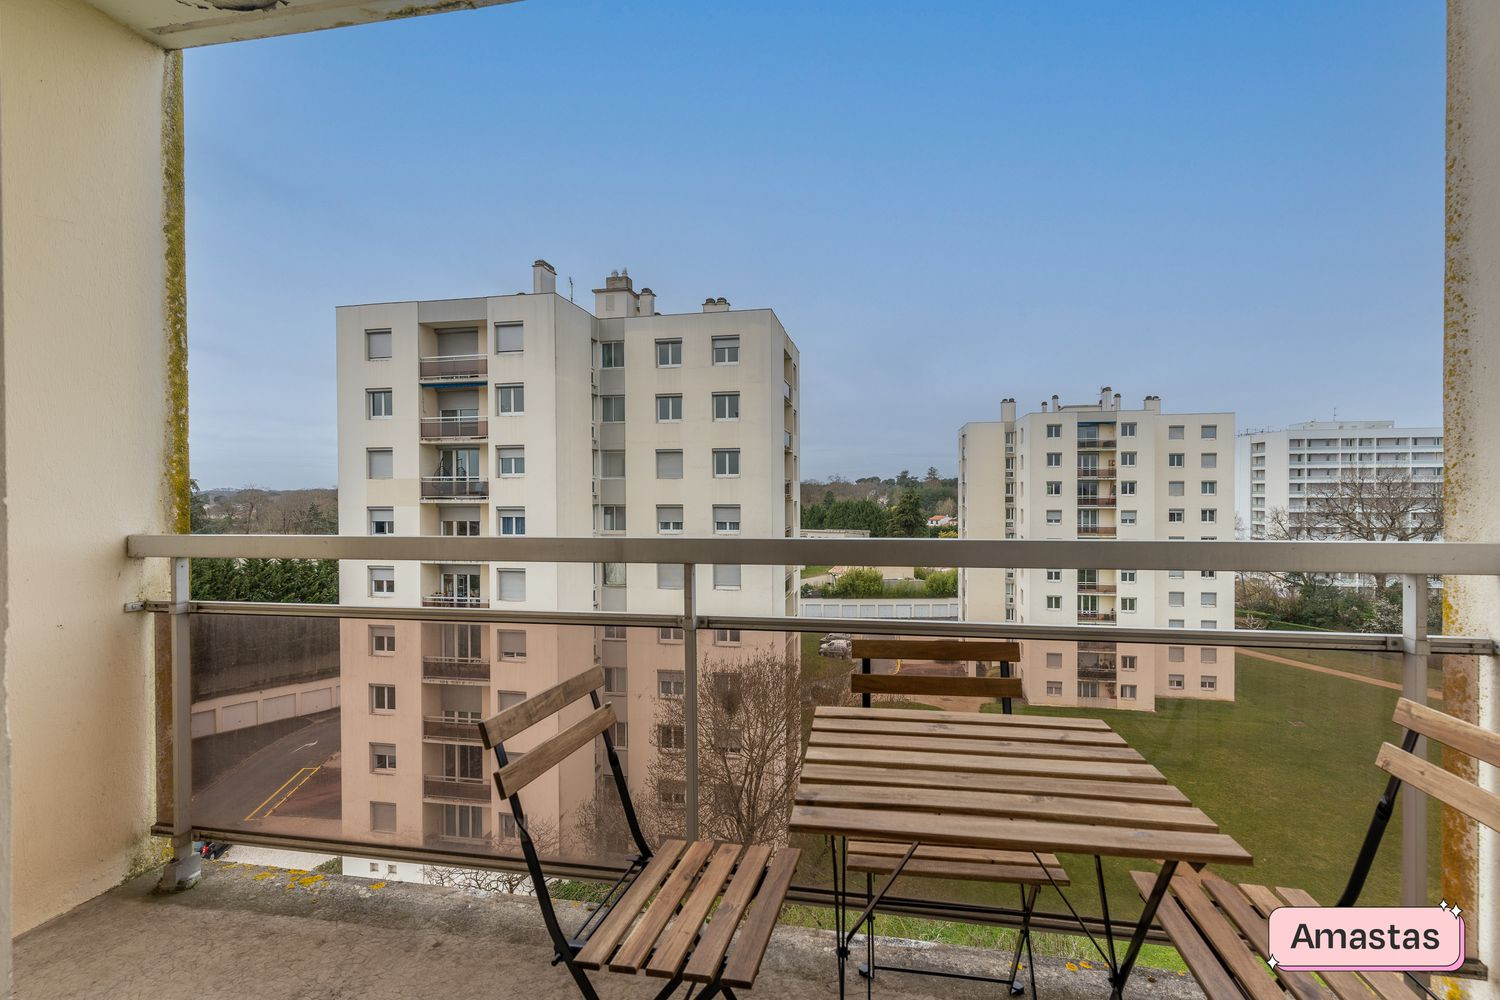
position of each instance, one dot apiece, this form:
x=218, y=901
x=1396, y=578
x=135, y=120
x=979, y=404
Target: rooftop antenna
x=570, y=288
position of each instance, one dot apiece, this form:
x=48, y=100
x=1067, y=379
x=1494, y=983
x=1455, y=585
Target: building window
x=1175, y=599
x=1127, y=692
x=1127, y=517
x=1127, y=576
x=1175, y=515
x=614, y=517
x=668, y=576
x=726, y=406
x=1175, y=488
x=383, y=758
x=512, y=584
x=1208, y=599
x=726, y=519
x=1208, y=516
x=1054, y=602
x=1175, y=460
x=1054, y=459
x=1054, y=659
x=1208, y=682
x=612, y=354
x=1054, y=688
x=726, y=463
x=1127, y=603
x=1054, y=574
x=615, y=633
x=614, y=680
x=510, y=338
x=1208, y=623
x=620, y=735
x=670, y=683
x=1054, y=430
x=1208, y=654
x=1175, y=432
x=612, y=409
x=670, y=737
x=726, y=350
x=382, y=697
x=614, y=574
x=382, y=640
x=726, y=637
x=1127, y=429
x=1088, y=689
x=1210, y=460
x=1054, y=517
x=669, y=520
x=1127, y=661
x=1209, y=487
x=377, y=345
x=669, y=465
x=382, y=581
x=1127, y=458
x=668, y=634
x=459, y=522
x=508, y=700
x=669, y=354
x=1054, y=488
x=463, y=822
x=1176, y=654
x=512, y=399
x=378, y=463
x=512, y=460
x=668, y=409
x=383, y=817
x=382, y=520
x=1127, y=487
x=1208, y=432
x=379, y=401
x=611, y=465
x=512, y=520
x=511, y=643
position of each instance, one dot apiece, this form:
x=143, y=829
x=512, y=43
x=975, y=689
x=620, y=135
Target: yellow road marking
x=302, y=772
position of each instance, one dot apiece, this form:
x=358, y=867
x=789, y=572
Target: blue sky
x=1233, y=206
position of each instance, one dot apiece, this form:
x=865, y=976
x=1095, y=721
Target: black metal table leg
x=1121, y=975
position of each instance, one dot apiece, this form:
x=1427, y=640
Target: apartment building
x=1100, y=471
x=1277, y=470
x=527, y=414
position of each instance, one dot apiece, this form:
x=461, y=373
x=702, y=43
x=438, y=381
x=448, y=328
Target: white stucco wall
x=82, y=255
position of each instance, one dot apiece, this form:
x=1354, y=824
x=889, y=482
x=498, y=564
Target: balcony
x=450, y=730
x=1097, y=617
x=449, y=601
x=1095, y=588
x=1096, y=472
x=455, y=789
x=1096, y=501
x=786, y=440
x=786, y=391
x=455, y=669
x=458, y=368
x=454, y=428
x=1097, y=530
x=1096, y=671
x=1096, y=444
x=453, y=488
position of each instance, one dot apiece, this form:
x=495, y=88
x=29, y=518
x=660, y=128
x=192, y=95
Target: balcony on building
x=444, y=370
x=1096, y=499
x=1096, y=471
x=454, y=488
x=1100, y=443
x=451, y=355
x=441, y=669
x=441, y=788
x=1096, y=530
x=467, y=428
x=1096, y=617
x=450, y=730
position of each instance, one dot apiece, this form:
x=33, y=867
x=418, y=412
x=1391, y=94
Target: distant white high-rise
x=1098, y=471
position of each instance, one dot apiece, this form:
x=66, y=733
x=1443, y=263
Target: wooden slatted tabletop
x=999, y=782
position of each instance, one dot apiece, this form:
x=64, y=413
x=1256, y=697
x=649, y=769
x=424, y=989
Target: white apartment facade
x=1276, y=470
x=527, y=414
x=1099, y=471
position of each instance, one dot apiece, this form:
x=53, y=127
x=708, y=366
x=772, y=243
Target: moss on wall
x=174, y=235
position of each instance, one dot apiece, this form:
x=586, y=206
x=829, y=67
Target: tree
x=942, y=583
x=543, y=834
x=932, y=474
x=860, y=581
x=300, y=581
x=907, y=520
x=197, y=509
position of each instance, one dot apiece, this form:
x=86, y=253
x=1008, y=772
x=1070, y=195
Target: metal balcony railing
x=455, y=668
x=1097, y=530
x=450, y=487
x=449, y=601
x=452, y=730
x=1096, y=616
x=1096, y=588
x=1096, y=472
x=454, y=428
x=1096, y=501
x=453, y=368
x=1096, y=444
x=459, y=789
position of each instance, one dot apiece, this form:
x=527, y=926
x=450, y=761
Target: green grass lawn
x=808, y=571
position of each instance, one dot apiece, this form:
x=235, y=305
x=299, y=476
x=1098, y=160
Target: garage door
x=203, y=724
x=317, y=701
x=238, y=716
x=281, y=707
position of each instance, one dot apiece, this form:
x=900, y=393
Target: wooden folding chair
x=700, y=913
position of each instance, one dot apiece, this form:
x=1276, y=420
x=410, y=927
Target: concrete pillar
x=1471, y=421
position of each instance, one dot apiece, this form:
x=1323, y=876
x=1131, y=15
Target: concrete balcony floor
x=269, y=933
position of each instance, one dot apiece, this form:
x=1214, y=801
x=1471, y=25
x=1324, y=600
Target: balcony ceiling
x=179, y=24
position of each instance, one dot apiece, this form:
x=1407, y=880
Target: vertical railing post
x=185, y=868
x=1415, y=648
x=690, y=696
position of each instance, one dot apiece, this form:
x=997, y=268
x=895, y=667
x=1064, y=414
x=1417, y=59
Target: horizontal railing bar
x=1430, y=558
x=1360, y=642
x=809, y=895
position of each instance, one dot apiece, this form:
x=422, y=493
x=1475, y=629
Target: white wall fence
x=818, y=607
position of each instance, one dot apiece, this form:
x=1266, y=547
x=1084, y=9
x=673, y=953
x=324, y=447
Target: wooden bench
x=1029, y=872
x=1221, y=929
x=698, y=912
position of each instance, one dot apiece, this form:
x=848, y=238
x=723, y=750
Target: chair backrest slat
x=976, y=687
x=936, y=649
x=1462, y=736
x=515, y=776
x=528, y=713
x=1465, y=796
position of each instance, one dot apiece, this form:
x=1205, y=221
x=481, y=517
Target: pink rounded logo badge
x=1366, y=938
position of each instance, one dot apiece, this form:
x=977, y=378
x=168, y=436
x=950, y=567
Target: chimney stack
x=1117, y=401
x=617, y=298
x=648, y=302
x=1008, y=410
x=543, y=278
x=1104, y=397
x=715, y=305
x=1152, y=404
